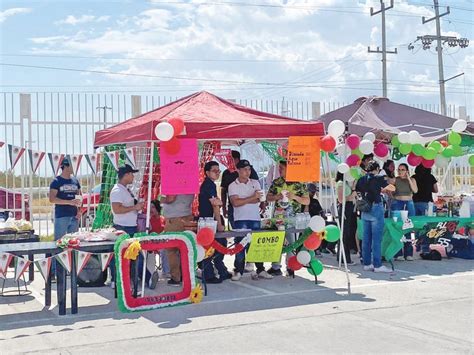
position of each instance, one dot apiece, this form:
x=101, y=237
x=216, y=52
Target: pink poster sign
x=180, y=171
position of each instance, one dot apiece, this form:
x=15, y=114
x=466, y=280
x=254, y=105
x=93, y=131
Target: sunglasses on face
x=215, y=171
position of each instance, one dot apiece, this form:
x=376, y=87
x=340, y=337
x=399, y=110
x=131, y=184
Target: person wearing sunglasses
x=405, y=187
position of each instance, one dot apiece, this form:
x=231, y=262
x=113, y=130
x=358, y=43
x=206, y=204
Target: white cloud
x=13, y=11
x=73, y=20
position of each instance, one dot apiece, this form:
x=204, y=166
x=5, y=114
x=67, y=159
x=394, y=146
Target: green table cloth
x=393, y=233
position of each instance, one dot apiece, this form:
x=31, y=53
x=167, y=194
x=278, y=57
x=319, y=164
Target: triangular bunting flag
x=20, y=266
x=5, y=259
x=2, y=144
x=15, y=154
x=90, y=158
x=75, y=160
x=65, y=259
x=55, y=160
x=35, y=159
x=44, y=267
x=130, y=154
x=105, y=259
x=114, y=158
x=82, y=257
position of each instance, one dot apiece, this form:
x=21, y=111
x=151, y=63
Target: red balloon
x=353, y=141
x=205, y=237
x=427, y=163
x=294, y=264
x=413, y=159
x=172, y=146
x=178, y=125
x=444, y=143
x=381, y=150
x=313, y=241
x=353, y=160
x=328, y=143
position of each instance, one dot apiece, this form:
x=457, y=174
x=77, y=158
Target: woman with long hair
x=405, y=187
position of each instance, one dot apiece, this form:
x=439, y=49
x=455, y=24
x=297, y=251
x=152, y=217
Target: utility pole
x=104, y=108
x=384, y=44
x=440, y=41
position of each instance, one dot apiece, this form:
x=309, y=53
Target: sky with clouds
x=301, y=50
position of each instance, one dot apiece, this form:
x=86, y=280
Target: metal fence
x=66, y=123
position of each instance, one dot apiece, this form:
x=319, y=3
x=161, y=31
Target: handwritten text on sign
x=266, y=246
x=303, y=159
x=180, y=171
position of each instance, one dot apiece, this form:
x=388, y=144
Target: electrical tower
x=384, y=44
x=440, y=40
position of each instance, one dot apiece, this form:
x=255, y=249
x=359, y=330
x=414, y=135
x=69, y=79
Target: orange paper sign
x=303, y=159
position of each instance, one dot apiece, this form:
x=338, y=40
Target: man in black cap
x=125, y=208
x=65, y=193
x=228, y=177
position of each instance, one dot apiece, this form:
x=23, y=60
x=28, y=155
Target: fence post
x=136, y=105
x=25, y=113
x=315, y=110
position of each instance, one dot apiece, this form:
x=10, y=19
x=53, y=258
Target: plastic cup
x=263, y=198
x=395, y=219
x=404, y=215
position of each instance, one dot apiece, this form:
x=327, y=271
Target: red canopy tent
x=209, y=117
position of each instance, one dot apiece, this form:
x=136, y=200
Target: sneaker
x=290, y=273
x=409, y=258
x=154, y=280
x=383, y=268
x=112, y=285
x=173, y=282
x=237, y=276
x=351, y=263
x=369, y=267
x=400, y=258
x=274, y=272
x=265, y=275
x=254, y=275
x=214, y=280
x=248, y=267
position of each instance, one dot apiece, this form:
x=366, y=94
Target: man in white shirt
x=245, y=194
x=125, y=209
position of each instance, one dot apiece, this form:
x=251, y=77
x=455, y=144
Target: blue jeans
x=373, y=232
x=398, y=205
x=239, y=262
x=63, y=226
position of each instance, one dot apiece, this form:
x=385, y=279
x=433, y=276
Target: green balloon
x=448, y=152
x=436, y=145
x=395, y=141
x=418, y=149
x=355, y=173
x=454, y=138
x=405, y=148
x=315, y=267
x=332, y=233
x=457, y=151
x=430, y=153
x=471, y=160
x=358, y=153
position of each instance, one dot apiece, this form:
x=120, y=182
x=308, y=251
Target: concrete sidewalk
x=424, y=307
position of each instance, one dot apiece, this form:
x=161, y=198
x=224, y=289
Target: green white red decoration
x=20, y=267
x=44, y=267
x=65, y=259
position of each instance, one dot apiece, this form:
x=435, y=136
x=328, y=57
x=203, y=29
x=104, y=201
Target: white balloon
x=343, y=150
x=317, y=224
x=441, y=161
x=303, y=257
x=366, y=146
x=200, y=253
x=336, y=128
x=164, y=131
x=459, y=126
x=370, y=136
x=415, y=137
x=403, y=137
x=343, y=168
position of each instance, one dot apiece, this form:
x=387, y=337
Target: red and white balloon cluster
x=167, y=132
